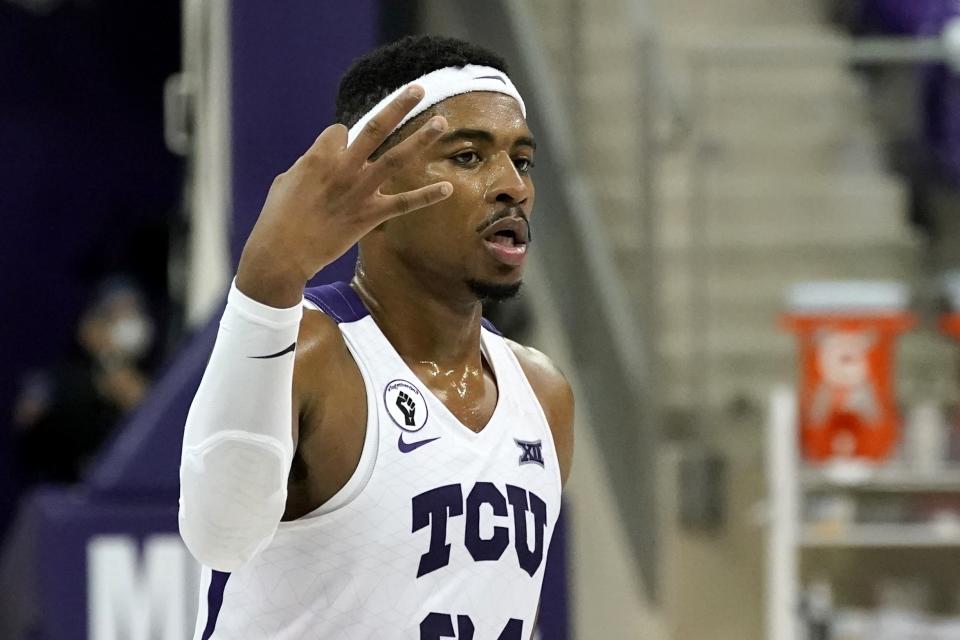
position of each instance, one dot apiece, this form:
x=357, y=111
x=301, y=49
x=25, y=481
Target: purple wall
x=287, y=65
x=81, y=89
x=69, y=175
x=281, y=100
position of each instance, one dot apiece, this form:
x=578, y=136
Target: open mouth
x=507, y=240
x=509, y=232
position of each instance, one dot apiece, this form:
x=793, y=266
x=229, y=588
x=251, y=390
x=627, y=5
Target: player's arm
x=556, y=397
x=238, y=442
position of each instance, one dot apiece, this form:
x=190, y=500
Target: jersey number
x=440, y=625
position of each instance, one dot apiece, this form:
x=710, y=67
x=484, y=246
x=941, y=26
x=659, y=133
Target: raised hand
x=329, y=199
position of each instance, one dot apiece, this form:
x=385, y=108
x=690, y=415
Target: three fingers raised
x=403, y=203
x=379, y=170
x=378, y=129
x=372, y=136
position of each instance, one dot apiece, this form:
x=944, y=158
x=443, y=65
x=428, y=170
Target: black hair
x=378, y=73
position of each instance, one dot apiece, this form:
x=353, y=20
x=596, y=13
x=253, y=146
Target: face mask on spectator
x=131, y=336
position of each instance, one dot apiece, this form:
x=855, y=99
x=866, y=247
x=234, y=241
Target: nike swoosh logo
x=407, y=447
x=277, y=354
x=490, y=78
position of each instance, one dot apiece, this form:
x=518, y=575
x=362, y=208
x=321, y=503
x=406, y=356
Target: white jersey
x=440, y=533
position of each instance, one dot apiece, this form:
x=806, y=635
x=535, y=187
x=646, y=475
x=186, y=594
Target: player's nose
x=507, y=185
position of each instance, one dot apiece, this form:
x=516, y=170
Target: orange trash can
x=950, y=325
x=847, y=335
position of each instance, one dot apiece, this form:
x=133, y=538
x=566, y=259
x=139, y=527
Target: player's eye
x=466, y=158
x=524, y=165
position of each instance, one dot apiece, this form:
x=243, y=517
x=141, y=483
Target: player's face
x=478, y=237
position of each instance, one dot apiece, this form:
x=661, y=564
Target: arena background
x=699, y=160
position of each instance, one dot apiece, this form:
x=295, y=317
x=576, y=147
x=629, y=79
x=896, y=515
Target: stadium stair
x=795, y=189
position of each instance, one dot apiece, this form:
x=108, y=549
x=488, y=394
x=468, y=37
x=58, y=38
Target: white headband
x=442, y=84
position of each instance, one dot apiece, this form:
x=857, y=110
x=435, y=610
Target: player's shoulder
x=325, y=375
x=548, y=381
x=319, y=333
x=534, y=361
x=321, y=353
x=555, y=395
x=326, y=307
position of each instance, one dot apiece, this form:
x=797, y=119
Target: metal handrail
x=669, y=112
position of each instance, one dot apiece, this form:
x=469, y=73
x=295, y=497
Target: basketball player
x=411, y=487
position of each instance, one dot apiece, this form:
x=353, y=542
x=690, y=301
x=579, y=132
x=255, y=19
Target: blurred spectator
x=917, y=108
x=64, y=414
x=939, y=87
x=896, y=17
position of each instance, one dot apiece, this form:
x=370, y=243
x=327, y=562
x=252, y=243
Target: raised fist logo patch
x=406, y=405
x=409, y=408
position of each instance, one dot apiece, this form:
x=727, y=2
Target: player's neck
x=422, y=324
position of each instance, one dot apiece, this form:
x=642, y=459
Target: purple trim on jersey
x=218, y=582
x=490, y=327
x=338, y=300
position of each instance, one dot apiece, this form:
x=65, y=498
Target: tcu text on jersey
x=436, y=506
